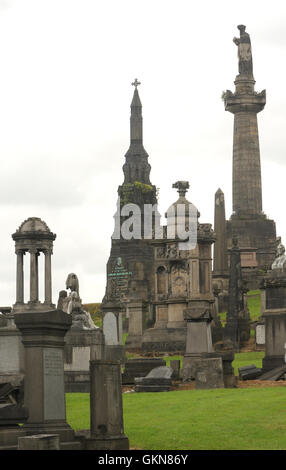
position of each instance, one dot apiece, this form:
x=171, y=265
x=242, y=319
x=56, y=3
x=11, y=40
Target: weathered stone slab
x=39, y=442
x=140, y=367
x=275, y=374
x=250, y=372
x=209, y=373
x=53, y=370
x=110, y=329
x=260, y=334
x=158, y=380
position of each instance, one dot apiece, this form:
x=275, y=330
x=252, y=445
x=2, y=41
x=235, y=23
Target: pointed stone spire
x=136, y=167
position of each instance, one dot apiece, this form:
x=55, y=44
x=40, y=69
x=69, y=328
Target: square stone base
x=107, y=443
x=9, y=437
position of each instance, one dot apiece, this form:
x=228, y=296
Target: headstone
x=209, y=373
x=110, y=329
x=260, y=334
x=39, y=442
x=106, y=413
x=158, y=380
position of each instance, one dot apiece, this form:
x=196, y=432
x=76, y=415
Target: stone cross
x=136, y=83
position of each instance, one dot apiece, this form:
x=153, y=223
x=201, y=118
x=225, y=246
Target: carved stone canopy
x=33, y=233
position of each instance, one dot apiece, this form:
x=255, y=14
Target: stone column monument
x=256, y=233
x=43, y=329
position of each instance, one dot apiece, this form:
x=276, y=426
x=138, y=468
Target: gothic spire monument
x=256, y=233
x=129, y=281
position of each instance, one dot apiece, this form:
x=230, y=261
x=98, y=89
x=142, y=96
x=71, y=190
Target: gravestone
x=158, y=380
x=113, y=337
x=106, y=413
x=110, y=329
x=260, y=335
x=209, y=373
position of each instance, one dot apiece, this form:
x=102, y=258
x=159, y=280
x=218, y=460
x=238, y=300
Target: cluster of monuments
x=164, y=291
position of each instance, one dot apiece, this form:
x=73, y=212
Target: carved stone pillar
x=20, y=277
x=48, y=276
x=34, y=282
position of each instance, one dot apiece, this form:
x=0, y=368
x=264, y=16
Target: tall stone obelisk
x=256, y=233
x=220, y=267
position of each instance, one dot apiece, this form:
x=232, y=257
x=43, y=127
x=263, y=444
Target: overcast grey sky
x=65, y=94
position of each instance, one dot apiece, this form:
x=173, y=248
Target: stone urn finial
x=182, y=187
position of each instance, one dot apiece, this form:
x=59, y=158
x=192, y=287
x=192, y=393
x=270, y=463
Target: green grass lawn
x=222, y=419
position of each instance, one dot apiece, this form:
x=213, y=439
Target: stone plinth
x=39, y=442
x=43, y=338
x=164, y=340
x=199, y=338
x=209, y=373
x=229, y=378
x=106, y=413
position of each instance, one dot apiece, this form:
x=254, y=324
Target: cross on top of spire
x=136, y=83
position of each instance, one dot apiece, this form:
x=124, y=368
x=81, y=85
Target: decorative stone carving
x=244, y=51
x=280, y=260
x=178, y=280
x=71, y=303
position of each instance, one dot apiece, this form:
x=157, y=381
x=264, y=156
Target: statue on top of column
x=244, y=51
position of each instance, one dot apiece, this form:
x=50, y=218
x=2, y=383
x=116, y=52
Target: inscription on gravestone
x=110, y=329
x=276, y=297
x=260, y=334
x=118, y=280
x=54, y=399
